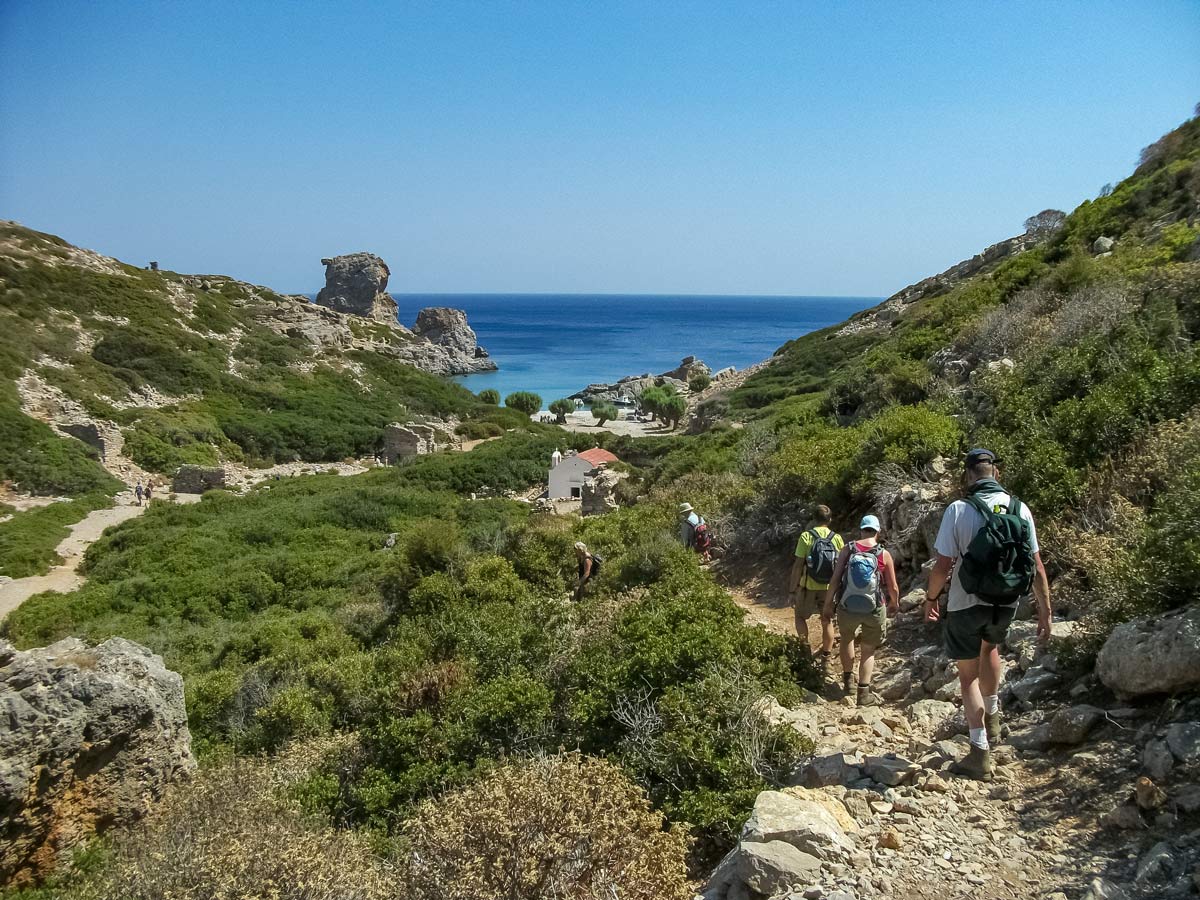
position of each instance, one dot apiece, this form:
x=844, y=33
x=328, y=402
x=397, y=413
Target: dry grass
x=552, y=828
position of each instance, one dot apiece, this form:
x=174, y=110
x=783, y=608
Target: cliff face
x=357, y=284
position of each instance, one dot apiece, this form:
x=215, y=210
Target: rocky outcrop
x=894, y=306
x=357, y=284
x=448, y=328
x=89, y=738
x=598, y=495
x=191, y=479
x=628, y=388
x=1153, y=654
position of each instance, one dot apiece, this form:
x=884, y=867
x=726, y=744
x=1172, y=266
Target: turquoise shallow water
x=556, y=344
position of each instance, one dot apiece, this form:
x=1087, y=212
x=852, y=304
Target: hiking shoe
x=866, y=696
x=823, y=661
x=991, y=721
x=977, y=764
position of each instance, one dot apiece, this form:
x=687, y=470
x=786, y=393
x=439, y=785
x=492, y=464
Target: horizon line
x=623, y=294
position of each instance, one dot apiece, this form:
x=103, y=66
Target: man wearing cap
x=974, y=629
x=865, y=572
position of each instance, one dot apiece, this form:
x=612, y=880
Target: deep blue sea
x=556, y=344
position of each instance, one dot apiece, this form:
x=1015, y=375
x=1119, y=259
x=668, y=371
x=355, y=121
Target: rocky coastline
x=626, y=390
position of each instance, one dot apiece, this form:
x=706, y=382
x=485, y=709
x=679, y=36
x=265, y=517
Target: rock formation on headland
x=357, y=283
x=89, y=737
x=356, y=286
x=631, y=385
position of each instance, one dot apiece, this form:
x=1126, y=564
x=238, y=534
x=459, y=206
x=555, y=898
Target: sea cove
x=557, y=344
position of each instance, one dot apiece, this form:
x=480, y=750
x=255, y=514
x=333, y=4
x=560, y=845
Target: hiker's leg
x=990, y=670
x=826, y=633
x=847, y=653
x=866, y=663
x=968, y=679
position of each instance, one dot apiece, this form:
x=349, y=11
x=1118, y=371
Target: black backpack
x=822, y=557
x=999, y=565
x=597, y=560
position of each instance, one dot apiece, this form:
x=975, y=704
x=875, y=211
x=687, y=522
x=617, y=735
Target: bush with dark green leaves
x=490, y=395
x=525, y=401
x=561, y=408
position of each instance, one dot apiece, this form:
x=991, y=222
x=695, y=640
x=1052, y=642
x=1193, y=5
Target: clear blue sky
x=792, y=148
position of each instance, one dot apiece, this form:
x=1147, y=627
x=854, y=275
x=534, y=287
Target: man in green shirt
x=816, y=554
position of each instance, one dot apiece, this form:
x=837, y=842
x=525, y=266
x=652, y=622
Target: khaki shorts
x=809, y=602
x=872, y=625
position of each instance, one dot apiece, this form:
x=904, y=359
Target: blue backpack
x=862, y=588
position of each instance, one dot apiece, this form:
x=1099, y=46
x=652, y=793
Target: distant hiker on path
x=693, y=531
x=137, y=492
x=864, y=592
x=812, y=571
x=992, y=537
x=149, y=492
x=589, y=567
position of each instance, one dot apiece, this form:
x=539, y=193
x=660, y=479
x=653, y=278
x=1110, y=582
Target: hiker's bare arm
x=1041, y=593
x=937, y=583
x=798, y=567
x=891, y=585
x=830, y=595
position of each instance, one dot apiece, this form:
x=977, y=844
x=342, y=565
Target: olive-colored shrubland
x=558, y=826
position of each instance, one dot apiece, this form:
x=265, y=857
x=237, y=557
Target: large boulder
x=1153, y=654
x=191, y=479
x=446, y=327
x=89, y=738
x=804, y=824
x=356, y=283
x=775, y=866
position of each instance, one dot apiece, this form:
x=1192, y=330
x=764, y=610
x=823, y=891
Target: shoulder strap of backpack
x=978, y=504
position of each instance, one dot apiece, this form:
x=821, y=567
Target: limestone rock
x=1158, y=760
x=356, y=283
x=1147, y=794
x=1153, y=654
x=891, y=769
x=1184, y=740
x=1035, y=685
x=803, y=824
x=774, y=866
x=598, y=495
x=1102, y=889
x=191, y=479
x=939, y=719
x=1036, y=738
x=825, y=771
x=1103, y=244
x=91, y=737
x=448, y=328
x=1073, y=724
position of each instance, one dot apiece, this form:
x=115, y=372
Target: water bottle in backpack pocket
x=862, y=588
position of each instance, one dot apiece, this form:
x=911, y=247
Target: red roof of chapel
x=596, y=456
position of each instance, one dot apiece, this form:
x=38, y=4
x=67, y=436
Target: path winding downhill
x=63, y=577
x=1029, y=834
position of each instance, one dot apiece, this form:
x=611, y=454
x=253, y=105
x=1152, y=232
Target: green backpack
x=998, y=566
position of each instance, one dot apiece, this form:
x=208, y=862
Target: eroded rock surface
x=357, y=283
x=89, y=738
x=1153, y=655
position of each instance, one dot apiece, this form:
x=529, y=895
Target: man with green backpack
x=812, y=569
x=989, y=540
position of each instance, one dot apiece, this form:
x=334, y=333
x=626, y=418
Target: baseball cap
x=871, y=522
x=979, y=454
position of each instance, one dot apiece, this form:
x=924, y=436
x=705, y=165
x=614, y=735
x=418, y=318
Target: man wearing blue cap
x=864, y=576
x=977, y=623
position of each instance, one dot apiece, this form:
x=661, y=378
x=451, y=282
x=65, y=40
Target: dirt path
x=1030, y=833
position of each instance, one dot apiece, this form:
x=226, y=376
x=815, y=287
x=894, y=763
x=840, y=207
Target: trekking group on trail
x=986, y=552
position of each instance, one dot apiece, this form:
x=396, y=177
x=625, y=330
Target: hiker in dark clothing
x=984, y=593
x=589, y=567
x=137, y=492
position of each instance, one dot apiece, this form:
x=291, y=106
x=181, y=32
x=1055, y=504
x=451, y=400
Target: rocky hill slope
x=164, y=369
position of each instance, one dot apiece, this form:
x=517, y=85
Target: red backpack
x=701, y=539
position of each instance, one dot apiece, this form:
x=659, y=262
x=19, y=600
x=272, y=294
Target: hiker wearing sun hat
x=989, y=540
x=693, y=530
x=864, y=592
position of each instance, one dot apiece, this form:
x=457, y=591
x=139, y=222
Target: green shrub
x=29, y=540
x=698, y=383
x=602, y=411
x=524, y=401
x=490, y=396
x=561, y=408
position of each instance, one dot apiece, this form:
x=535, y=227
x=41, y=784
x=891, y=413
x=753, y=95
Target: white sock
x=991, y=704
x=979, y=738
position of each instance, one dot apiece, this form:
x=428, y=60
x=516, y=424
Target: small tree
x=651, y=401
x=524, y=401
x=491, y=395
x=603, y=411
x=560, y=408
x=673, y=409
x=1106, y=190
x=697, y=383
x=1045, y=223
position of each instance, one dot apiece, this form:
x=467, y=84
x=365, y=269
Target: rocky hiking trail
x=874, y=813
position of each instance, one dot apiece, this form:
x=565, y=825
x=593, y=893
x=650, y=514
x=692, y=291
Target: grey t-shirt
x=687, y=528
x=960, y=523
